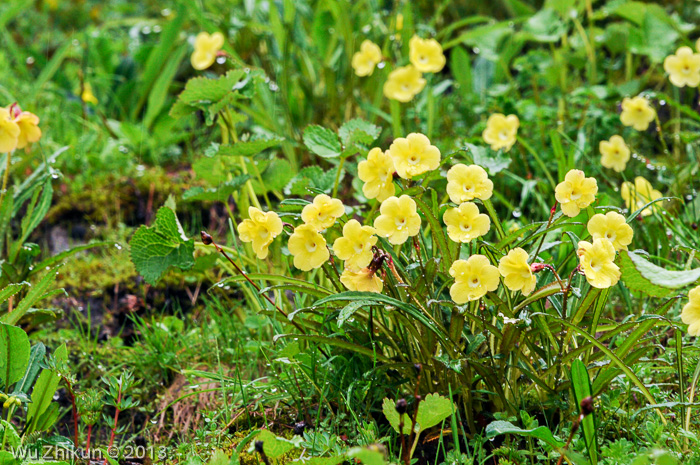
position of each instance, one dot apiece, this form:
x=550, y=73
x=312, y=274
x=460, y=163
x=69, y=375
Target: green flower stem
x=5, y=177
x=492, y=213
x=539, y=161
x=396, y=126
x=337, y=176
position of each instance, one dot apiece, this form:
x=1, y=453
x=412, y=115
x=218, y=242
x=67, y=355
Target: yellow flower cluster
x=404, y=82
x=18, y=128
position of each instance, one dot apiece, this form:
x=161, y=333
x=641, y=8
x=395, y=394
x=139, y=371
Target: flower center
x=595, y=266
x=413, y=159
x=264, y=233
x=400, y=223
x=465, y=227
x=611, y=236
x=474, y=282
x=575, y=195
x=405, y=87
x=686, y=69
x=358, y=248
x=503, y=135
x=311, y=247
x=467, y=188
x=423, y=59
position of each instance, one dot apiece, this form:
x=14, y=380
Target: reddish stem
x=75, y=412
x=116, y=418
x=89, y=434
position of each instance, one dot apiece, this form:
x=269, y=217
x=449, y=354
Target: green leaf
x=350, y=309
x=43, y=392
x=36, y=356
x=10, y=290
x=215, y=194
x=392, y=416
x=250, y=147
x=432, y=411
x=311, y=177
x=9, y=435
x=321, y=141
x=358, y=131
x=274, y=446
x=40, y=290
x=545, y=26
x=157, y=248
x=490, y=161
x=641, y=275
x=159, y=92
x=14, y=354
x=581, y=384
x=367, y=455
x=541, y=432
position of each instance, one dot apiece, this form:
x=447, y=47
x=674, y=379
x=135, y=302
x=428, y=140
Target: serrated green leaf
x=392, y=416
x=358, y=131
x=504, y=427
x=10, y=290
x=310, y=177
x=249, y=147
x=490, y=161
x=14, y=354
x=321, y=141
x=157, y=248
x=432, y=411
x=639, y=274
x=9, y=435
x=202, y=90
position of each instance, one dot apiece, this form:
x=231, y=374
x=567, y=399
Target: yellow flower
x=683, y=68
x=473, y=279
x=29, y=131
x=691, y=312
x=323, y=212
x=639, y=194
x=364, y=61
x=575, y=192
x=308, y=248
x=615, y=153
x=403, y=84
x=597, y=263
x=9, y=131
x=465, y=223
x=355, y=246
x=501, y=131
x=516, y=272
x=205, y=49
x=363, y=280
x=413, y=155
x=466, y=183
x=377, y=172
x=426, y=54
x=398, y=219
x=613, y=227
x=260, y=228
x=637, y=112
